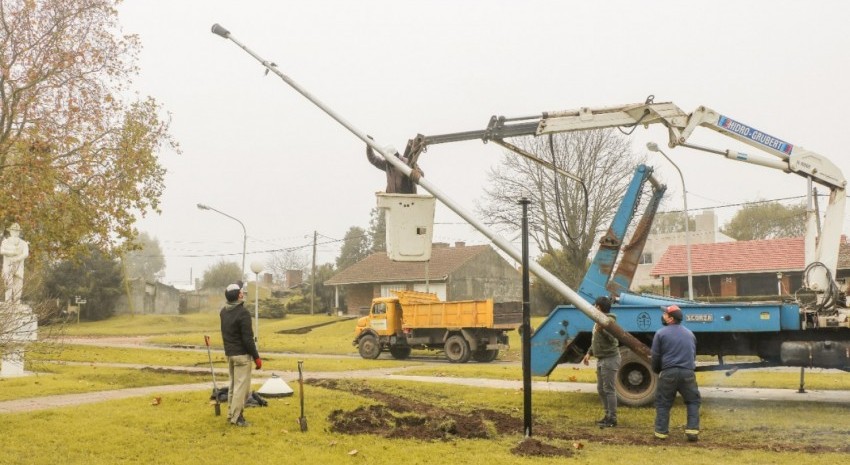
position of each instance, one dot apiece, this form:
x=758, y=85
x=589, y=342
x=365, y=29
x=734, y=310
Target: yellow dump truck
x=475, y=329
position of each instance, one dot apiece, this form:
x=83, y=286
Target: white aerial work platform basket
x=410, y=225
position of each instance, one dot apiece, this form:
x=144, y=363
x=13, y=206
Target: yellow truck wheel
x=457, y=349
x=400, y=352
x=485, y=356
x=369, y=347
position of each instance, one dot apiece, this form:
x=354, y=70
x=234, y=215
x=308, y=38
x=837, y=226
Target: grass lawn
x=410, y=422
x=54, y=379
x=183, y=429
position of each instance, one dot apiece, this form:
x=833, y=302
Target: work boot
x=692, y=437
x=241, y=422
x=607, y=422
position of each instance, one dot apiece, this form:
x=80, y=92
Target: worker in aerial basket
x=397, y=182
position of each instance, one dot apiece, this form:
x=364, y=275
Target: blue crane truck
x=801, y=334
x=807, y=334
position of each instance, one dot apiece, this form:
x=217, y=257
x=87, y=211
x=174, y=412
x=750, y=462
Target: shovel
x=212, y=370
x=302, y=420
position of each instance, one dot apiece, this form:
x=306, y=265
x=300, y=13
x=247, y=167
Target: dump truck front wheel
x=369, y=347
x=457, y=349
x=635, y=382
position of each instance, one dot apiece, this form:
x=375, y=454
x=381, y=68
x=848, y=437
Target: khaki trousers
x=239, y=367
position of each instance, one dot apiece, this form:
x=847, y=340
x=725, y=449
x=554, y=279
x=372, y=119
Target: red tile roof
x=733, y=257
x=377, y=268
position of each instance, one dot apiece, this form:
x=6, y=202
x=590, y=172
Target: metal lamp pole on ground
x=244, y=232
x=256, y=267
x=653, y=147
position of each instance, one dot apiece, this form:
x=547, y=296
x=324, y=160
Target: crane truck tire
x=400, y=352
x=635, y=382
x=457, y=349
x=485, y=356
x=369, y=347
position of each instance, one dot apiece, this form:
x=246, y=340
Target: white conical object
x=275, y=387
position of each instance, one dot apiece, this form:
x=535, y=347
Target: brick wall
x=358, y=298
x=728, y=286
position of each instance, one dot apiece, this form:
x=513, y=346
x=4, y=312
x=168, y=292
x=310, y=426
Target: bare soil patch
x=393, y=416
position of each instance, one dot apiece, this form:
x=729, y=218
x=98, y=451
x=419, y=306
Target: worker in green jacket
x=605, y=347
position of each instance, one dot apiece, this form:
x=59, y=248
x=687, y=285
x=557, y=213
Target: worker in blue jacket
x=674, y=359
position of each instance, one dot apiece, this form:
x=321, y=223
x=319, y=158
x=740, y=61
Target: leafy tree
x=671, y=222
x=324, y=294
x=146, y=261
x=94, y=276
x=560, y=224
x=77, y=158
x=221, y=274
x=378, y=230
x=767, y=220
x=355, y=247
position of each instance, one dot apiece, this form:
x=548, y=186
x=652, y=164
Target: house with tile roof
x=742, y=268
x=704, y=232
x=462, y=272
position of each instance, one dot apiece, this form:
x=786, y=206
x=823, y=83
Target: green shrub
x=272, y=308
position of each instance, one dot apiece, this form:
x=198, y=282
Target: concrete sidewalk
x=65, y=400
x=781, y=395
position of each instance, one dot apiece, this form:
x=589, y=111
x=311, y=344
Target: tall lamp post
x=244, y=232
x=256, y=267
x=653, y=147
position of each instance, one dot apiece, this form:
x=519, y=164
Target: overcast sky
x=259, y=151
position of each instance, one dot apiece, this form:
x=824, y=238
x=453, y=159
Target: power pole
x=313, y=277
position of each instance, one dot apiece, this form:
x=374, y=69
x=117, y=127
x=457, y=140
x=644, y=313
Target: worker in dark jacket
x=397, y=182
x=674, y=350
x=241, y=351
x=605, y=347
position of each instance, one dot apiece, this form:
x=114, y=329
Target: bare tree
x=286, y=260
x=565, y=218
x=16, y=323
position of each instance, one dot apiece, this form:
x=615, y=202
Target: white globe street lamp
x=257, y=267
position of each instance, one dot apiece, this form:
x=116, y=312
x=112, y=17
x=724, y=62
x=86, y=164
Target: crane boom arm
x=820, y=246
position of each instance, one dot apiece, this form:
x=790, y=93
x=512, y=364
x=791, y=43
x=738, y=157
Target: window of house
x=645, y=258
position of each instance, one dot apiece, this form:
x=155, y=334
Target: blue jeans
x=606, y=373
x=671, y=381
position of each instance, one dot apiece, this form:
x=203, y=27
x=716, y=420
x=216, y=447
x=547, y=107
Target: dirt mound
x=535, y=448
x=399, y=417
x=394, y=416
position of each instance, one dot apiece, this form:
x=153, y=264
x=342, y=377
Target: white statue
x=14, y=250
